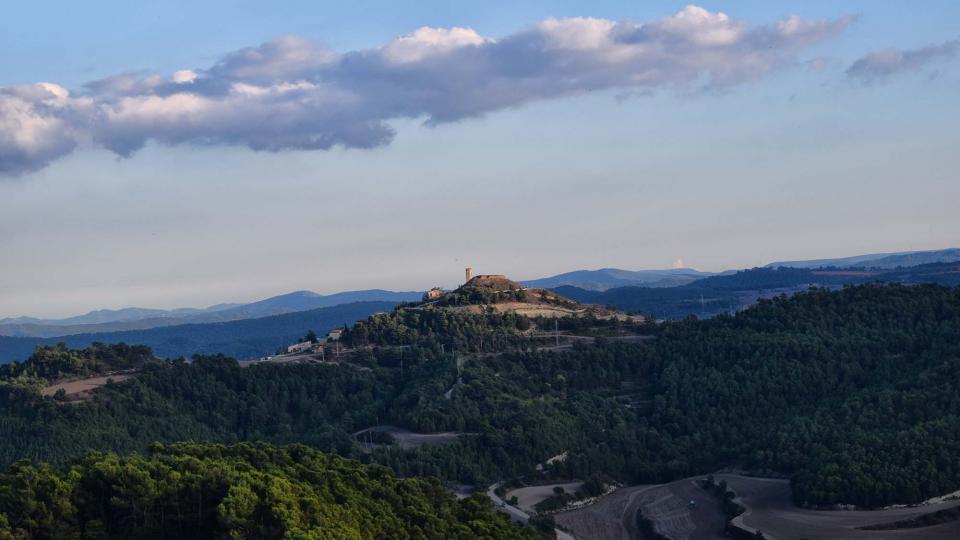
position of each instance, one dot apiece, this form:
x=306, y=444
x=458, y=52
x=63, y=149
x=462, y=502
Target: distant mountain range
x=667, y=293
x=878, y=260
x=248, y=338
x=729, y=293
x=608, y=278
x=102, y=316
x=127, y=319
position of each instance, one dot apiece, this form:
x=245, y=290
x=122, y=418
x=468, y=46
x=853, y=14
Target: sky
x=172, y=154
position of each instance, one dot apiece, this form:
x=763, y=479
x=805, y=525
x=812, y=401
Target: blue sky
x=795, y=159
x=74, y=42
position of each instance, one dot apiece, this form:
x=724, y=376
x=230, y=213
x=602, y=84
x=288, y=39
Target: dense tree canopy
x=204, y=490
x=460, y=330
x=854, y=392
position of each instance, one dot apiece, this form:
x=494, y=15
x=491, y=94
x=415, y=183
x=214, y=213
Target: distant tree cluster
x=592, y=487
x=472, y=296
x=57, y=361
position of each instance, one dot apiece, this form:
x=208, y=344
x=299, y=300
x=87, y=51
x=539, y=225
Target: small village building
x=300, y=347
x=433, y=294
x=334, y=335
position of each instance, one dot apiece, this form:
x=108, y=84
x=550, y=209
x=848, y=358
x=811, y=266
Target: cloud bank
x=291, y=93
x=884, y=63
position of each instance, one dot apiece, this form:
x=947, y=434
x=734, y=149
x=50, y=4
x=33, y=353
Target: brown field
x=615, y=517
x=406, y=439
x=528, y=497
x=769, y=509
x=611, y=518
x=668, y=507
x=83, y=388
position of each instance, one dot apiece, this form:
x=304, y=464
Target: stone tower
x=469, y=274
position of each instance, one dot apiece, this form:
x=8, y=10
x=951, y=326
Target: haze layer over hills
x=878, y=260
x=251, y=330
x=243, y=339
x=142, y=319
x=608, y=278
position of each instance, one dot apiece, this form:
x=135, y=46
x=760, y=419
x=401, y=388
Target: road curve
x=517, y=514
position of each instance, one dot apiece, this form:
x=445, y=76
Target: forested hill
x=247, y=338
x=855, y=393
x=202, y=490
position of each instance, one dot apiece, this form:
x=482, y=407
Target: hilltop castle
x=490, y=281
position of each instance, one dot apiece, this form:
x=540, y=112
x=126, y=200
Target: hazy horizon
x=183, y=157
x=451, y=282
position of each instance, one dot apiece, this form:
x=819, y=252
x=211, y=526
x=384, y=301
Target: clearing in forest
x=528, y=497
x=81, y=389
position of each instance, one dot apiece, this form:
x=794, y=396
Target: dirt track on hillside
x=406, y=439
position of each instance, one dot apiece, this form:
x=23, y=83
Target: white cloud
x=578, y=34
x=292, y=93
x=283, y=59
x=704, y=28
x=427, y=42
x=184, y=76
x=886, y=62
x=39, y=123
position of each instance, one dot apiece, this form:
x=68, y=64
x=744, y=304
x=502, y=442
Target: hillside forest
x=853, y=393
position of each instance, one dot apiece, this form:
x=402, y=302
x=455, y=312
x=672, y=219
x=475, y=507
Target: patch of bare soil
x=81, y=389
x=771, y=510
